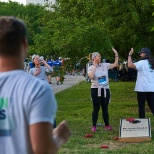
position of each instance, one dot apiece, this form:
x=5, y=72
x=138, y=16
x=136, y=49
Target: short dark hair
x=12, y=34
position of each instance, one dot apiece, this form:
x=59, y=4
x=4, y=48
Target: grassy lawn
x=75, y=106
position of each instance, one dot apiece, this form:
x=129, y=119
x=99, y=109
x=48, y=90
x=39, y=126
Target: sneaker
x=93, y=129
x=108, y=127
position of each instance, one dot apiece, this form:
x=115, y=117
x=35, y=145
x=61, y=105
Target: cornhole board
x=138, y=131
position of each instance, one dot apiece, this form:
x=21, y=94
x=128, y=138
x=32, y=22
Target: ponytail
x=151, y=61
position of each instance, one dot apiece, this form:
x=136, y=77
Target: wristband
x=130, y=55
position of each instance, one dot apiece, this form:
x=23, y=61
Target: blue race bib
x=102, y=81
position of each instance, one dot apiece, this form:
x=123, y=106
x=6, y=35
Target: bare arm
x=45, y=139
x=45, y=64
x=130, y=63
x=115, y=64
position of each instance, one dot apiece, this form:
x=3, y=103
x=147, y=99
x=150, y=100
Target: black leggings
x=100, y=101
x=142, y=97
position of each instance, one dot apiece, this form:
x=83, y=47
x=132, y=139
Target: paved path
x=69, y=81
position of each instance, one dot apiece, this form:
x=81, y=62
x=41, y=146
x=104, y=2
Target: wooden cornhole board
x=135, y=132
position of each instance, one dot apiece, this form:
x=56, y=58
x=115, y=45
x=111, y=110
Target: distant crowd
x=120, y=73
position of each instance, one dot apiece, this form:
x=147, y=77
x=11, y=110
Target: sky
x=19, y=1
x=24, y=1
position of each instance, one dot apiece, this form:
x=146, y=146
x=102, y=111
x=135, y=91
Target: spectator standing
x=50, y=63
x=100, y=93
x=123, y=72
x=31, y=65
x=25, y=64
x=40, y=71
x=28, y=105
x=57, y=64
x=145, y=79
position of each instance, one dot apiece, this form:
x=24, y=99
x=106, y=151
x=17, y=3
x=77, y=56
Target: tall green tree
x=73, y=30
x=31, y=14
x=129, y=24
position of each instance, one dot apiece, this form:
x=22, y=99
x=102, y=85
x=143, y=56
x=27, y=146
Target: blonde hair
x=90, y=56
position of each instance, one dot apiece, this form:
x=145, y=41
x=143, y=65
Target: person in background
x=40, y=71
x=27, y=104
x=90, y=62
x=123, y=72
x=145, y=79
x=57, y=63
x=50, y=63
x=100, y=93
x=30, y=63
x=25, y=64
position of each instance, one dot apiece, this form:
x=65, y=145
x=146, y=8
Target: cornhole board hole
x=138, y=130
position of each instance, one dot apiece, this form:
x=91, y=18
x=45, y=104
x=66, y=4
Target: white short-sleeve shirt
x=42, y=75
x=101, y=70
x=145, y=77
x=24, y=100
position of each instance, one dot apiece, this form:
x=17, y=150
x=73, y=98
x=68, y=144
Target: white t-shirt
x=42, y=75
x=101, y=71
x=145, y=77
x=24, y=100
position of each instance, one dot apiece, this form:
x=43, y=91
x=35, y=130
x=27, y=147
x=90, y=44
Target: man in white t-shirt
x=27, y=104
x=145, y=79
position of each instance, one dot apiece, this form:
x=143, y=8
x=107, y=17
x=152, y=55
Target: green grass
x=75, y=106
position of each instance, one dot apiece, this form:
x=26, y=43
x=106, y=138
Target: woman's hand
x=115, y=64
x=95, y=63
x=115, y=51
x=43, y=61
x=130, y=62
x=131, y=51
x=37, y=72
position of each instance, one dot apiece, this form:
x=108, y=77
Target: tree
x=129, y=24
x=74, y=32
x=74, y=28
